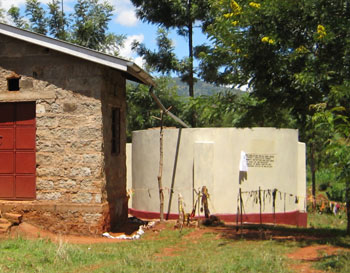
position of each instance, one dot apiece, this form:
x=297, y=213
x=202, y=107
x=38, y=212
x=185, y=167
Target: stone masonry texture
x=74, y=101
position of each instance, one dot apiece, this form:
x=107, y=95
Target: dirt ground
x=305, y=256
x=308, y=255
x=31, y=232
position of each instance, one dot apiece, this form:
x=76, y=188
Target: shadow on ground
x=305, y=236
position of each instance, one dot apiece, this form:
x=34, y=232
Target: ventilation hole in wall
x=13, y=82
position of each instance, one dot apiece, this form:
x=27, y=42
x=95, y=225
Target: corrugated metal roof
x=132, y=71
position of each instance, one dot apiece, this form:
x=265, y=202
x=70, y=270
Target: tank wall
x=211, y=157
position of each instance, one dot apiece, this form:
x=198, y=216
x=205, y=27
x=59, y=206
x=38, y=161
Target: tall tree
x=57, y=20
x=90, y=26
x=180, y=15
x=333, y=116
x=163, y=60
x=91, y=23
x=37, y=16
x=18, y=20
x=2, y=15
x=291, y=53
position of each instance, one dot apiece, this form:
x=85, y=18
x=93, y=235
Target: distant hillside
x=202, y=88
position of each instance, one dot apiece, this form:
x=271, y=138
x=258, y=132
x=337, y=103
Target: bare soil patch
x=29, y=231
x=310, y=254
x=228, y=231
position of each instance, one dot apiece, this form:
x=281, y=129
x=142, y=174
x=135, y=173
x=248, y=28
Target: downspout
x=137, y=72
x=166, y=111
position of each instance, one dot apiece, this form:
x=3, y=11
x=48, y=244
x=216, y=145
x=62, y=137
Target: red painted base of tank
x=295, y=218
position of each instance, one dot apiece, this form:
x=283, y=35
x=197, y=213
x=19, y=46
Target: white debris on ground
x=136, y=236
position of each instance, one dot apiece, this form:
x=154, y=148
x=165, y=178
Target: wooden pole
x=160, y=183
x=167, y=112
x=260, y=206
x=174, y=173
x=237, y=214
x=274, y=194
x=241, y=206
x=198, y=204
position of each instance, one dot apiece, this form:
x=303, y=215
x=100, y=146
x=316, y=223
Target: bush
x=325, y=178
x=336, y=192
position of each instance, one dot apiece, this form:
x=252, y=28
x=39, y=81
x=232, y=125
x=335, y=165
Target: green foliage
x=18, y=20
x=86, y=26
x=335, y=263
x=37, y=16
x=334, y=116
x=90, y=23
x=324, y=221
x=326, y=176
x=336, y=191
x=171, y=14
x=164, y=60
x=57, y=21
x=2, y=16
x=225, y=108
x=142, y=109
x=179, y=15
x=290, y=52
x=218, y=110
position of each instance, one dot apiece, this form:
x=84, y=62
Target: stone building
x=62, y=133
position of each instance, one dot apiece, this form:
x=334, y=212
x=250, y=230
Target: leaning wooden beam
x=161, y=106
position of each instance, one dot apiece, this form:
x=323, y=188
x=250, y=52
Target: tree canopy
x=37, y=16
x=86, y=26
x=289, y=52
x=333, y=117
x=179, y=15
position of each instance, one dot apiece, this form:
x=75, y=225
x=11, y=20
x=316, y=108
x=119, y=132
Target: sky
x=125, y=22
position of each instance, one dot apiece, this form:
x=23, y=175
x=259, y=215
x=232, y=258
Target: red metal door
x=17, y=150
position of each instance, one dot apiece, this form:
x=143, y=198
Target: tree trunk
x=347, y=198
x=313, y=176
x=190, y=50
x=160, y=183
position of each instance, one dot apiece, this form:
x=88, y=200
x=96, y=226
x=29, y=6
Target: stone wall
x=115, y=163
x=62, y=218
x=74, y=99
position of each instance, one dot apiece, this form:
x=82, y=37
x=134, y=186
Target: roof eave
x=77, y=51
x=140, y=74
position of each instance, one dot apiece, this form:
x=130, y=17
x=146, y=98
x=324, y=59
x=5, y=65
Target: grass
x=209, y=254
x=327, y=220
x=206, y=254
x=335, y=263
x=335, y=225
x=172, y=251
